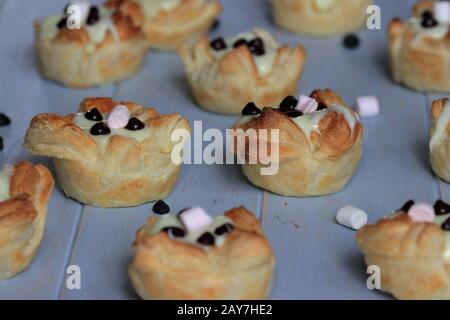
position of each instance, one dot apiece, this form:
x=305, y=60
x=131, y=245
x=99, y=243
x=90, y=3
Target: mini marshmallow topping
x=351, y=217
x=367, y=106
x=119, y=117
x=307, y=104
x=195, y=219
x=442, y=11
x=422, y=212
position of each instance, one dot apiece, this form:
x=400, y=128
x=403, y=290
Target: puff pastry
x=107, y=48
x=320, y=18
x=225, y=74
x=240, y=266
x=169, y=23
x=106, y=167
x=419, y=50
x=440, y=138
x=24, y=192
x=318, y=151
x=413, y=257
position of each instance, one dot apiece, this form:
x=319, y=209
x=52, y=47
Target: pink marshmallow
x=422, y=212
x=367, y=106
x=119, y=117
x=442, y=11
x=195, y=219
x=307, y=104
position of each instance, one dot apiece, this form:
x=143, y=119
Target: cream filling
x=437, y=32
x=440, y=220
x=170, y=220
x=102, y=140
x=5, y=178
x=263, y=63
x=440, y=129
x=324, y=5
x=153, y=7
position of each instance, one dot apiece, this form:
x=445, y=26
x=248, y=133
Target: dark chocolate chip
x=100, y=129
x=251, y=109
x=218, y=44
x=1, y=143
x=94, y=115
x=62, y=24
x=293, y=113
x=93, y=16
x=160, y=207
x=206, y=239
x=427, y=14
x=407, y=206
x=351, y=41
x=256, y=47
x=4, y=120
x=215, y=25
x=441, y=208
x=224, y=229
x=288, y=103
x=429, y=22
x=240, y=42
x=321, y=106
x=446, y=225
x=135, y=124
x=174, y=232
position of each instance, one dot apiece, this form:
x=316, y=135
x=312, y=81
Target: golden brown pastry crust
x=307, y=17
x=168, y=30
x=69, y=60
x=241, y=268
x=410, y=256
x=420, y=63
x=226, y=85
x=22, y=217
x=440, y=153
x=125, y=173
x=303, y=171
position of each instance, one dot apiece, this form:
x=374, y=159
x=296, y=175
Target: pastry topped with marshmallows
x=419, y=48
x=192, y=255
x=169, y=23
x=440, y=138
x=225, y=73
x=24, y=192
x=89, y=45
x=320, y=18
x=315, y=152
x=412, y=249
x=110, y=154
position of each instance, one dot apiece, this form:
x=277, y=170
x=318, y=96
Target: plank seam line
x=263, y=208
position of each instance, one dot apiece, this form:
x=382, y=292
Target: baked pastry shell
x=126, y=173
x=23, y=216
x=409, y=255
x=440, y=153
x=241, y=268
x=302, y=171
x=303, y=16
x=227, y=84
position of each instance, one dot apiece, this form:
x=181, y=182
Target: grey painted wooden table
x=316, y=258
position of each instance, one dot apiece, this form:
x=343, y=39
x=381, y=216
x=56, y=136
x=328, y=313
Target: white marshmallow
x=442, y=11
x=351, y=217
x=84, y=7
x=368, y=106
x=196, y=219
x=119, y=117
x=307, y=104
x=422, y=212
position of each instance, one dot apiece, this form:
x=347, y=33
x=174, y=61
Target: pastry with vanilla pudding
x=24, y=193
x=105, y=47
x=225, y=73
x=109, y=154
x=320, y=18
x=192, y=255
x=412, y=249
x=440, y=138
x=169, y=23
x=317, y=150
x=419, y=48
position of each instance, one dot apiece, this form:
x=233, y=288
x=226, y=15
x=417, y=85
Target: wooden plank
x=24, y=94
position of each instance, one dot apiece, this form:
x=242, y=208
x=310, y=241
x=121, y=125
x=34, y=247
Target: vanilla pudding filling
x=5, y=178
x=154, y=7
x=440, y=131
x=427, y=26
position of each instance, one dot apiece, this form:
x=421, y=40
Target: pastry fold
x=22, y=217
x=225, y=84
x=409, y=255
x=241, y=268
x=440, y=138
x=314, y=164
x=123, y=172
x=320, y=18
